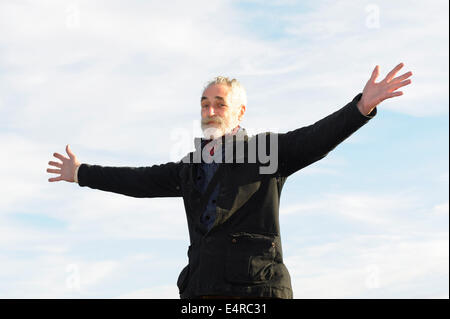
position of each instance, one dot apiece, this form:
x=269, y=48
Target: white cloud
x=370, y=208
x=54, y=276
x=403, y=252
x=93, y=273
x=103, y=215
x=107, y=78
x=22, y=168
x=372, y=267
x=328, y=35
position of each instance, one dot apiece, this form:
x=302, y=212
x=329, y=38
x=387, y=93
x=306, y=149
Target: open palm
x=374, y=93
x=66, y=169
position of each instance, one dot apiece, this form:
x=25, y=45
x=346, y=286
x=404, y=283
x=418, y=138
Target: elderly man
x=231, y=187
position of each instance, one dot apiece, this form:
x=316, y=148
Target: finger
x=55, y=164
x=62, y=158
x=375, y=74
x=52, y=170
x=393, y=94
x=69, y=152
x=402, y=77
x=397, y=85
x=55, y=179
x=394, y=71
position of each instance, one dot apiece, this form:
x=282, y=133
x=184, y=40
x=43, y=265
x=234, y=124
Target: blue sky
x=121, y=81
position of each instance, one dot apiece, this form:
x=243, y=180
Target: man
x=232, y=201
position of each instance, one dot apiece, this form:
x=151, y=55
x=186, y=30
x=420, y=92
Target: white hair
x=238, y=94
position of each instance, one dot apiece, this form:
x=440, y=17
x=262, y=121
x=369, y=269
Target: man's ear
x=241, y=112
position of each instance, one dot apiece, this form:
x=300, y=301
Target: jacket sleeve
x=306, y=145
x=153, y=181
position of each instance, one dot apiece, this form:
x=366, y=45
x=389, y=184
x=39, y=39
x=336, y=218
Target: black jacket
x=241, y=255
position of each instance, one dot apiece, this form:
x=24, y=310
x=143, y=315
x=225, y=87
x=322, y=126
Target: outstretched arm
x=306, y=145
x=151, y=181
x=161, y=180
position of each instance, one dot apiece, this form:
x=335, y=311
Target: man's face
x=219, y=116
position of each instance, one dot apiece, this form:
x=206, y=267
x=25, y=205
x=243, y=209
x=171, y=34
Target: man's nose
x=210, y=111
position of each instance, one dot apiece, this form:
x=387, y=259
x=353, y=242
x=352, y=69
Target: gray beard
x=212, y=132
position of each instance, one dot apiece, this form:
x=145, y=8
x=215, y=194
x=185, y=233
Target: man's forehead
x=217, y=97
x=219, y=92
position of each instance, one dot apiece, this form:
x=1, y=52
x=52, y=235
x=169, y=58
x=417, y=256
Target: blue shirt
x=204, y=176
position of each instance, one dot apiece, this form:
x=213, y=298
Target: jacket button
x=234, y=241
x=178, y=187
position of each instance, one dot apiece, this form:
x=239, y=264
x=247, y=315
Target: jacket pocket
x=250, y=258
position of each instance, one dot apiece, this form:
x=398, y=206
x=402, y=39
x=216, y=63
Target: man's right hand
x=66, y=169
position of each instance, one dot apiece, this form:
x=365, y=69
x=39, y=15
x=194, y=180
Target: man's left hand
x=374, y=93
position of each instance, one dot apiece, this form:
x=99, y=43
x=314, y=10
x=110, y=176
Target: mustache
x=215, y=119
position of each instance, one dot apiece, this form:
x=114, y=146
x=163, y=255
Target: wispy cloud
x=116, y=81
x=372, y=267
